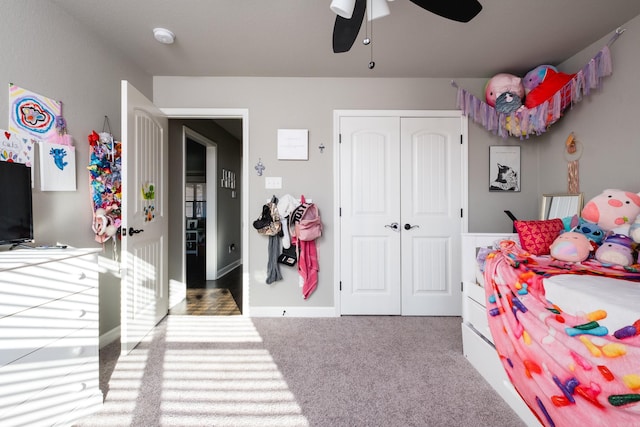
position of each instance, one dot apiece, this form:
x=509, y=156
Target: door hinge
x=339, y=138
x=339, y=211
x=341, y=285
x=461, y=213
x=461, y=286
x=460, y=139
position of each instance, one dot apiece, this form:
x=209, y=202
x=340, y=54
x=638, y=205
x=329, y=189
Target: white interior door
x=144, y=271
x=370, y=205
x=401, y=195
x=431, y=182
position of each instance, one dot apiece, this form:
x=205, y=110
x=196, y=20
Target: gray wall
x=67, y=62
x=309, y=103
x=229, y=210
x=606, y=124
x=48, y=52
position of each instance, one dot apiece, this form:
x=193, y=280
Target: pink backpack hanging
x=309, y=227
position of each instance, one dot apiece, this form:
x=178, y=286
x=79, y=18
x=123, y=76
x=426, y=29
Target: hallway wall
x=229, y=209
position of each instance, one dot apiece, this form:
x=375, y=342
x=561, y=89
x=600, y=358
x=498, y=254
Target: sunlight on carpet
x=200, y=370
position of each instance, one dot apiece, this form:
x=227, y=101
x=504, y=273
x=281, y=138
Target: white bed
x=476, y=338
x=572, y=292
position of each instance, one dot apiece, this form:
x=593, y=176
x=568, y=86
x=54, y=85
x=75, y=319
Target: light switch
x=273, y=182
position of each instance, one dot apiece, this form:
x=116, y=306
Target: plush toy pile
x=543, y=87
x=529, y=105
x=607, y=230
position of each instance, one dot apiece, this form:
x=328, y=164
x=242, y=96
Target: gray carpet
x=345, y=371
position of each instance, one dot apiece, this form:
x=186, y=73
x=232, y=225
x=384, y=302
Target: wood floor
x=207, y=302
x=210, y=297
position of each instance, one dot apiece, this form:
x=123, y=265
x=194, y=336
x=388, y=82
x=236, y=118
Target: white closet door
x=401, y=189
x=431, y=203
x=370, y=204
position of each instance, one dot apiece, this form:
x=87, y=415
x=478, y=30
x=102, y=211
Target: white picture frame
x=57, y=167
x=504, y=168
x=293, y=144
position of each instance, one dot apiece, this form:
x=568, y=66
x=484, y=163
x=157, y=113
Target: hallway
x=221, y=297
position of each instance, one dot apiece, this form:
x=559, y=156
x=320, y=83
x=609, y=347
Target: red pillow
x=537, y=236
x=552, y=83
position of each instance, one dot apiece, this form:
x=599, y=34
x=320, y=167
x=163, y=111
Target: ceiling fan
x=350, y=16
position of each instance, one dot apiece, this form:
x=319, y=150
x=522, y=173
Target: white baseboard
x=109, y=336
x=293, y=312
x=228, y=268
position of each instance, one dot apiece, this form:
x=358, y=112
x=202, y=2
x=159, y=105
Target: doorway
x=402, y=190
x=210, y=260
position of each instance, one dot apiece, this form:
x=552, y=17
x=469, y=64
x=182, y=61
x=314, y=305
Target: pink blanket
x=569, y=370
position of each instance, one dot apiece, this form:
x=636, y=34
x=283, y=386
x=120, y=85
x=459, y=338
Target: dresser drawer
x=38, y=370
x=478, y=318
x=53, y=404
x=30, y=286
x=40, y=326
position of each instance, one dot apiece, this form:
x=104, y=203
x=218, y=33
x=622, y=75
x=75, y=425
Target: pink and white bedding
x=570, y=343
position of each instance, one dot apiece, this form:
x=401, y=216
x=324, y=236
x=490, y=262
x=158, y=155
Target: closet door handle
x=394, y=226
x=409, y=226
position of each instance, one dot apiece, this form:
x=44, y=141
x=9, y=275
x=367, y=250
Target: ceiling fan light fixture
x=163, y=35
x=343, y=8
x=377, y=9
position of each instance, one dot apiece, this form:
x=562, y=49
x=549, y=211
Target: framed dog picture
x=504, y=168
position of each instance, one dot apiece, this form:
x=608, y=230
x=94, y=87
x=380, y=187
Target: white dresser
x=49, y=367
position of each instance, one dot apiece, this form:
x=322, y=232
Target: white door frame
x=337, y=115
x=211, y=172
x=229, y=113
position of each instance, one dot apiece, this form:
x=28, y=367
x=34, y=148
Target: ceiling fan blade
x=345, y=30
x=457, y=10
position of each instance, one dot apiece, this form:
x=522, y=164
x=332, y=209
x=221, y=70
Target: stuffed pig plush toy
x=613, y=210
x=504, y=92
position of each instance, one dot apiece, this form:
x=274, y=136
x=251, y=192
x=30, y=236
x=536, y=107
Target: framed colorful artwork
x=32, y=113
x=57, y=167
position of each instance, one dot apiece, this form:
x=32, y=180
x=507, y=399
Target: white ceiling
x=293, y=38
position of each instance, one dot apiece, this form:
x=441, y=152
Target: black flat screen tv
x=16, y=209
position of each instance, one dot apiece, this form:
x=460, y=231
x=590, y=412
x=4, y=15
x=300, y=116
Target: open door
x=144, y=273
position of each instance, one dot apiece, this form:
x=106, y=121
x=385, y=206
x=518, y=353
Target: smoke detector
x=163, y=35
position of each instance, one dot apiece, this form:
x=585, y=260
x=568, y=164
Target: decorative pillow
x=537, y=236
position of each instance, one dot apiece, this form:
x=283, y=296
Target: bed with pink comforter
x=569, y=366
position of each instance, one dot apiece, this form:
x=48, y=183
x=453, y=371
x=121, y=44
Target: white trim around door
x=337, y=116
x=229, y=113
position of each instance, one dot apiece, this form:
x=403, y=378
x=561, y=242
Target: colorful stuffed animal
x=552, y=83
x=613, y=210
x=590, y=230
x=616, y=249
x=634, y=230
x=536, y=76
x=505, y=89
x=571, y=247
